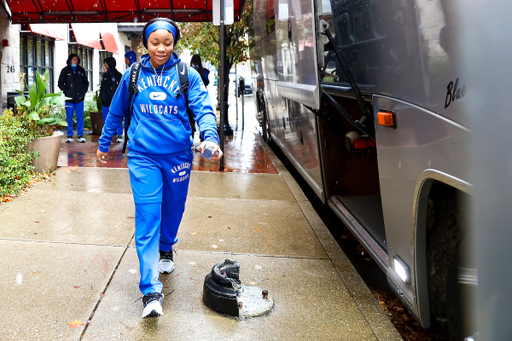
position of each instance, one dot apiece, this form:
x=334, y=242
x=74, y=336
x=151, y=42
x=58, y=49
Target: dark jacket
x=110, y=82
x=205, y=77
x=73, y=84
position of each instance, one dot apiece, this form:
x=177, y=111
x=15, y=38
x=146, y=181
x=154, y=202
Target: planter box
x=48, y=148
x=96, y=122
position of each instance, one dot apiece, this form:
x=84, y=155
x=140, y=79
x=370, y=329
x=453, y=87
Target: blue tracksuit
x=160, y=155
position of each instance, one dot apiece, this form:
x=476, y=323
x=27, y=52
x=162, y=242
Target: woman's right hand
x=102, y=157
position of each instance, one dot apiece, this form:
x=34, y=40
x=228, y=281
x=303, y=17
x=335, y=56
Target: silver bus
x=365, y=98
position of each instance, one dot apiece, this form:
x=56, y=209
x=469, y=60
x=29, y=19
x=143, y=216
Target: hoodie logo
x=182, y=173
x=158, y=96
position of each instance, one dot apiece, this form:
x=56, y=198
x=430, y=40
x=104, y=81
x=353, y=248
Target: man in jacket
x=73, y=82
x=109, y=84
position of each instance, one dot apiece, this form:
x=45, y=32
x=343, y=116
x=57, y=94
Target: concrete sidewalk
x=67, y=256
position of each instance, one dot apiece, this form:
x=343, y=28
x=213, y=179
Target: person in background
x=109, y=84
x=74, y=84
x=130, y=57
x=196, y=63
x=159, y=157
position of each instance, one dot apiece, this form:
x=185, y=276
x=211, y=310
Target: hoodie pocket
x=160, y=137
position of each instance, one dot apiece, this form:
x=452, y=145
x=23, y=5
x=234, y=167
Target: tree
x=203, y=39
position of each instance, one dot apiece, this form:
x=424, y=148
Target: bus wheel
x=461, y=281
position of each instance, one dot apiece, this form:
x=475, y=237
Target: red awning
x=109, y=42
x=59, y=31
x=87, y=35
x=60, y=11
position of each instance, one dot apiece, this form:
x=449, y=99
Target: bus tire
x=458, y=299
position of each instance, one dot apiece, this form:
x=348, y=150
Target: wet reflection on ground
x=243, y=153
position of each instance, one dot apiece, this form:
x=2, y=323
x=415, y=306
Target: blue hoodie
x=159, y=127
x=132, y=57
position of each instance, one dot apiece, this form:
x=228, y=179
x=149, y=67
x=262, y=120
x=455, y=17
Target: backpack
x=133, y=91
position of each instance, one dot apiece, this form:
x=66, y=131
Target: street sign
x=229, y=12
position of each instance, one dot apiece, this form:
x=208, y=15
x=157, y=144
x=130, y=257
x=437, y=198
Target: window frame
x=46, y=52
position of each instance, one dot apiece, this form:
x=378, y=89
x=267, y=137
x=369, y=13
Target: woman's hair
x=176, y=39
x=196, y=59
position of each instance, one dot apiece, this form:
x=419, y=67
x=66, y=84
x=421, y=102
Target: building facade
x=25, y=49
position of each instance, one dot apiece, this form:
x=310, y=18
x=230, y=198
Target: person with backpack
x=160, y=155
x=74, y=84
x=109, y=84
x=196, y=63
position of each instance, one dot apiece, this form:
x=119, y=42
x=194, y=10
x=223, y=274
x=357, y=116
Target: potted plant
x=36, y=113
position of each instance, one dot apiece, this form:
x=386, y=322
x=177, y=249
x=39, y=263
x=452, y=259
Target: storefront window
x=39, y=52
x=36, y=54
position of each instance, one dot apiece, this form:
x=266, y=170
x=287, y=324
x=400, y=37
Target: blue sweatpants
x=104, y=112
x=159, y=189
x=78, y=109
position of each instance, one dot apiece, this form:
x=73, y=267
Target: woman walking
x=160, y=155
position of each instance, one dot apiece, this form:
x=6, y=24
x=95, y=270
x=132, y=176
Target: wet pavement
x=69, y=268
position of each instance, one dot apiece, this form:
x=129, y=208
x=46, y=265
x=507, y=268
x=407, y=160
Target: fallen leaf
x=193, y=233
x=253, y=283
x=176, y=275
x=256, y=229
x=75, y=324
x=229, y=227
x=76, y=286
x=209, y=216
x=130, y=217
x=37, y=222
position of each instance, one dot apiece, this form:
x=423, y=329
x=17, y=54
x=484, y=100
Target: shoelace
x=164, y=295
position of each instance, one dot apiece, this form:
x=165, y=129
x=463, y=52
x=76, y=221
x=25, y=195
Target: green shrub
x=16, y=170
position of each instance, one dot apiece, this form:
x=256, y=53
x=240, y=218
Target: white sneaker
x=166, y=264
x=81, y=139
x=119, y=140
x=69, y=139
x=152, y=305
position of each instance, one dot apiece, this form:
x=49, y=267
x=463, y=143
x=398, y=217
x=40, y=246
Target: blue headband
x=160, y=24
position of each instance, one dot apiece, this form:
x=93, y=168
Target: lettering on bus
x=454, y=93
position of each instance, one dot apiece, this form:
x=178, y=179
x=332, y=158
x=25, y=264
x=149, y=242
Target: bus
x=366, y=99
